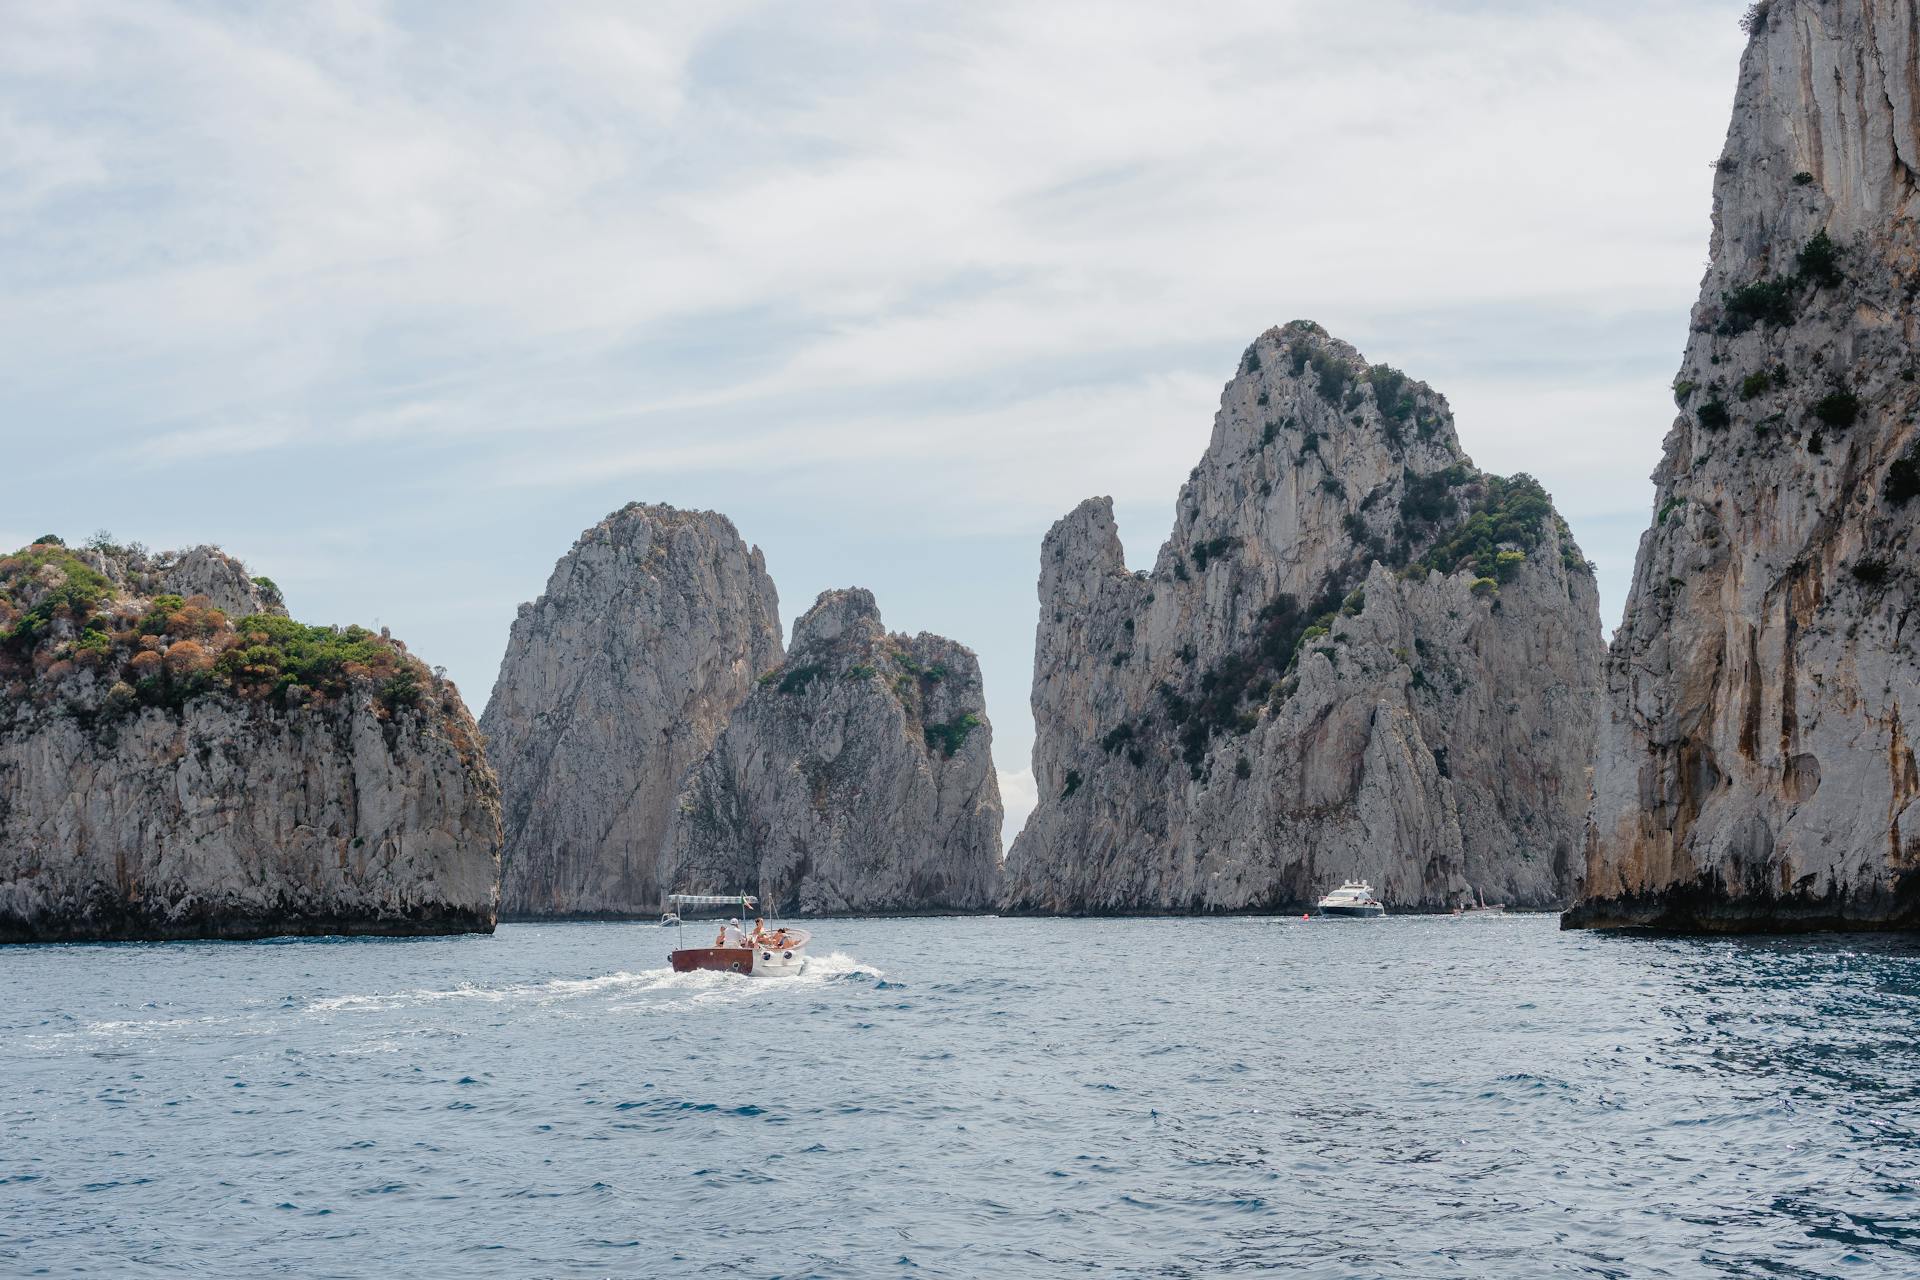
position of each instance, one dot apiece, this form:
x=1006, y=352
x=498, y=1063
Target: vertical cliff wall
x=858, y=777
x=169, y=770
x=618, y=679
x=1756, y=761
x=1356, y=655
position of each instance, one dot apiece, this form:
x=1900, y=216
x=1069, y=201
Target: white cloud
x=223, y=441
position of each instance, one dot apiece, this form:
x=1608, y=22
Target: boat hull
x=784, y=963
x=754, y=962
x=1355, y=911
x=712, y=959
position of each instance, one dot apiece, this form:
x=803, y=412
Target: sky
x=392, y=301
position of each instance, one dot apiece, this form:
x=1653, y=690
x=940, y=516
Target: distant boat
x=669, y=917
x=1477, y=905
x=1353, y=899
x=760, y=951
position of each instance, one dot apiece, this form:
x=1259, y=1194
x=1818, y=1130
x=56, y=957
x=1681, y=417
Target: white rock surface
x=618, y=679
x=858, y=777
x=1435, y=741
x=1756, y=761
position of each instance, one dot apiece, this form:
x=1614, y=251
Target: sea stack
x=1756, y=765
x=1356, y=656
x=652, y=629
x=858, y=777
x=179, y=759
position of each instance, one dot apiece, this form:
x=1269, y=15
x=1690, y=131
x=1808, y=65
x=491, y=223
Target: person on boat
x=721, y=940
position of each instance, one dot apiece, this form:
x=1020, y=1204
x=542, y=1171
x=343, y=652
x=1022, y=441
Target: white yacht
x=1354, y=898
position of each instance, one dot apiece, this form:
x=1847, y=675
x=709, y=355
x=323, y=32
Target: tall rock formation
x=858, y=777
x=1756, y=764
x=169, y=770
x=1355, y=656
x=616, y=680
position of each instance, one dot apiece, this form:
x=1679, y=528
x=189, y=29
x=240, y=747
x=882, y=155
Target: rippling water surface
x=1410, y=1097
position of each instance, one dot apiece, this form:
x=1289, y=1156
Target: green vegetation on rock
x=63, y=620
x=1513, y=510
x=949, y=737
x=1903, y=477
x=1840, y=408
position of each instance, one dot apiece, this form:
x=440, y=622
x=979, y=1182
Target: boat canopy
x=711, y=899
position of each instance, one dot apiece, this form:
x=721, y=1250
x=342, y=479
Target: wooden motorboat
x=758, y=950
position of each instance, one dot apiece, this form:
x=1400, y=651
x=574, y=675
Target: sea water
x=1473, y=1097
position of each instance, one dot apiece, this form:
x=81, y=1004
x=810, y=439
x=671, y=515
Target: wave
x=833, y=967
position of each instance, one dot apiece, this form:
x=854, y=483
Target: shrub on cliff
x=1513, y=512
x=1819, y=261
x=53, y=584
x=1764, y=301
x=1212, y=549
x=949, y=737
x=796, y=679
x=1903, y=477
x=1392, y=393
x=1838, y=409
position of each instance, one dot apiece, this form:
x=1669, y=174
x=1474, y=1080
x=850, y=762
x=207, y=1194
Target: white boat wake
x=700, y=986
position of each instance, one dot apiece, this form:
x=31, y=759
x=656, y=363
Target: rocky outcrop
x=201, y=571
x=1756, y=764
x=165, y=773
x=858, y=777
x=1356, y=656
x=618, y=679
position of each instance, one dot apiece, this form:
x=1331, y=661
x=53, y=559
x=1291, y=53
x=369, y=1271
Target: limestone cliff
x=1756, y=761
x=651, y=631
x=858, y=777
x=1355, y=656
x=168, y=770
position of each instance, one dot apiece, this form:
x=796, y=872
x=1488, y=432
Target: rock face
x=1355, y=656
x=164, y=774
x=201, y=571
x=858, y=777
x=1756, y=763
x=615, y=682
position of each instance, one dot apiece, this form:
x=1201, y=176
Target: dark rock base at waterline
x=1706, y=907
x=130, y=924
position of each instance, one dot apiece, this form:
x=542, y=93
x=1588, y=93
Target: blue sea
x=968, y=1097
